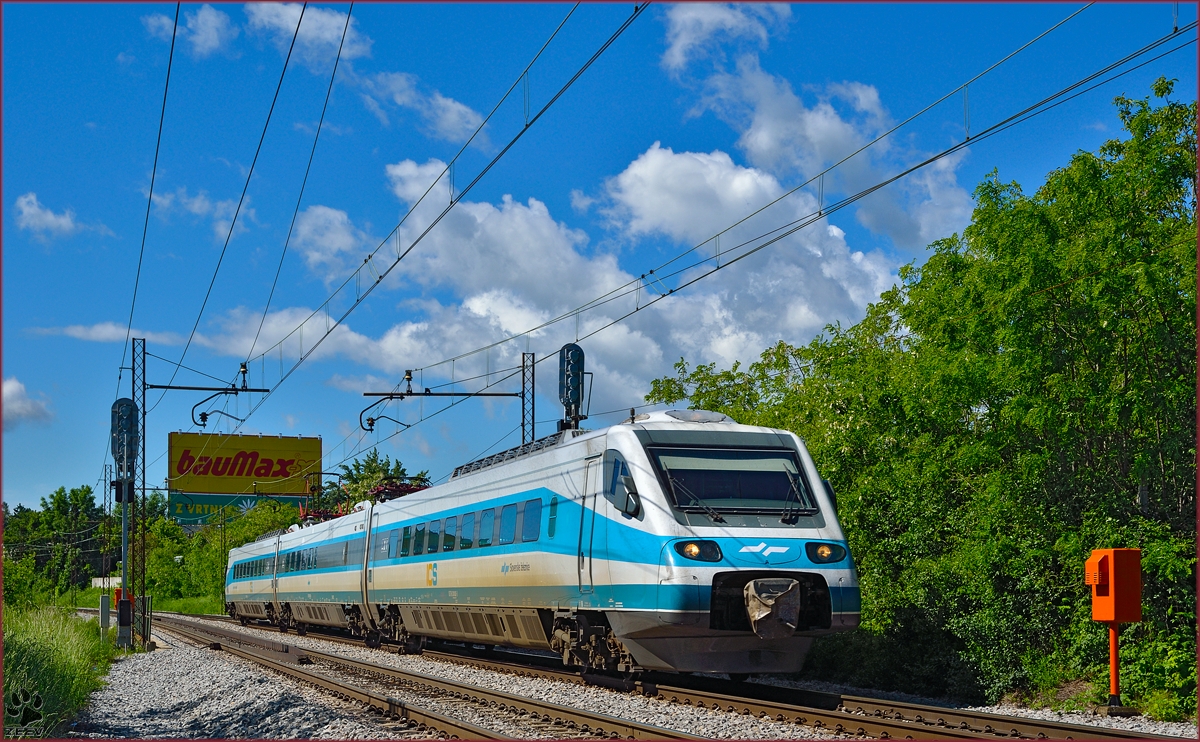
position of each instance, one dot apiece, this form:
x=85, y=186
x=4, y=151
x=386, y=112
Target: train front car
x=721, y=551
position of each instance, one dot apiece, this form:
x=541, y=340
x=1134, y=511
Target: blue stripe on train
x=617, y=597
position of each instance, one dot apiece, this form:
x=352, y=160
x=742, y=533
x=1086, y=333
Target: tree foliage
x=1025, y=396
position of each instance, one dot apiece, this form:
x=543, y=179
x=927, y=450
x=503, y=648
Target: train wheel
x=243, y=621
x=739, y=677
x=373, y=639
x=301, y=630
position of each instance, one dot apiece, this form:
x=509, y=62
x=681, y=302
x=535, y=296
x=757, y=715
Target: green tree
x=1023, y=397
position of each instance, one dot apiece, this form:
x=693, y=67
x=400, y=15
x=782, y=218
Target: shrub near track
x=51, y=655
x=1025, y=396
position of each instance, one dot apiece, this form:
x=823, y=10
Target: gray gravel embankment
x=181, y=691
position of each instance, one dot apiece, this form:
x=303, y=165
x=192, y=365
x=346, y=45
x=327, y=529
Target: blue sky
x=696, y=116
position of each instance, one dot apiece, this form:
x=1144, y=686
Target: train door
x=587, y=522
x=377, y=551
x=369, y=521
x=275, y=578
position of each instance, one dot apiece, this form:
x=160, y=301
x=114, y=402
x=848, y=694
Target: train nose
x=773, y=606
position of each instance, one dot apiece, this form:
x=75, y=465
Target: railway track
x=840, y=714
x=367, y=683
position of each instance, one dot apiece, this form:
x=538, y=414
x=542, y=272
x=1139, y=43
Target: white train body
x=726, y=557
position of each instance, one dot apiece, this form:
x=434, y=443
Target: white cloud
x=206, y=31
x=790, y=290
x=580, y=203
x=781, y=134
x=159, y=26
x=325, y=235
x=444, y=118
x=19, y=407
x=41, y=221
x=221, y=212
x=689, y=196
x=410, y=181
x=449, y=119
x=319, y=37
x=109, y=332
x=691, y=26
x=209, y=30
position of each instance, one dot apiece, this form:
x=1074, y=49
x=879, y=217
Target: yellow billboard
x=242, y=464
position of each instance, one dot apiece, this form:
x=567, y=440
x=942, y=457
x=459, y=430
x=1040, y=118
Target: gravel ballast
x=181, y=691
x=188, y=692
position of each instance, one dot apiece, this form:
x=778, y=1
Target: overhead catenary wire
x=1026, y=114
x=303, y=183
x=655, y=274
x=381, y=275
x=162, y=115
x=446, y=171
x=241, y=200
x=331, y=328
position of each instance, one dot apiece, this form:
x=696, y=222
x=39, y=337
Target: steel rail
x=600, y=724
x=390, y=707
x=761, y=699
x=593, y=723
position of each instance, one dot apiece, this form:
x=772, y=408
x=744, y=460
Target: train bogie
x=676, y=541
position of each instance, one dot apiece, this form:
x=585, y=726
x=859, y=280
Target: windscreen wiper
x=789, y=514
x=716, y=517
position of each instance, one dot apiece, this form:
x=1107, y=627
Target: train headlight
x=701, y=551
x=825, y=553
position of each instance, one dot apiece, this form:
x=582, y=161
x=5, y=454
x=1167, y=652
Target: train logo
x=431, y=575
x=769, y=549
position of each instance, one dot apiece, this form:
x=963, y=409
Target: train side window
x=345, y=551
x=449, y=534
x=487, y=521
x=531, y=521
x=552, y=521
x=393, y=538
x=419, y=540
x=467, y=539
x=435, y=528
x=406, y=541
x=508, y=524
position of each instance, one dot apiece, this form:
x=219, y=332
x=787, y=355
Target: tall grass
x=50, y=652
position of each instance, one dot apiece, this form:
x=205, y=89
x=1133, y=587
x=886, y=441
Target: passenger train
x=675, y=540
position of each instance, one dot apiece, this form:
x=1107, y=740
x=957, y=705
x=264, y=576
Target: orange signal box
x=1116, y=579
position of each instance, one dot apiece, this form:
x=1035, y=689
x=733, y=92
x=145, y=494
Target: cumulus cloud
x=692, y=26
x=444, y=118
x=790, y=290
x=220, y=213
x=325, y=236
x=32, y=216
x=205, y=31
x=109, y=332
x=19, y=407
x=319, y=37
x=782, y=133
x=506, y=267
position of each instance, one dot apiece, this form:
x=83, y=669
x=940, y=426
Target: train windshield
x=734, y=480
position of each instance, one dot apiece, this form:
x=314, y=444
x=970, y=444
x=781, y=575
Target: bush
x=51, y=655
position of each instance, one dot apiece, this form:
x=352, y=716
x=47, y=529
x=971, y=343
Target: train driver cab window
x=419, y=540
x=449, y=533
x=487, y=521
x=406, y=541
x=467, y=539
x=508, y=524
x=435, y=529
x=531, y=521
